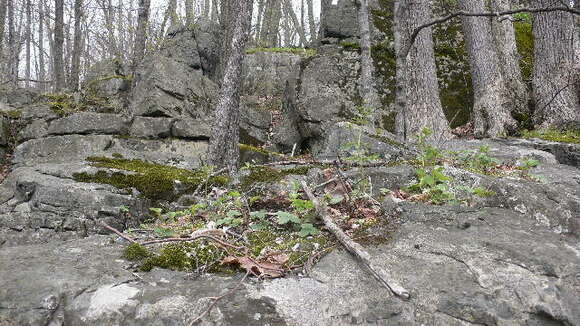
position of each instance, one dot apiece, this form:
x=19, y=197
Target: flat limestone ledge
x=489, y=267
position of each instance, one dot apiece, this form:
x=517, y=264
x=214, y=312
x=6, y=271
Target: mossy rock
x=266, y=174
x=154, y=181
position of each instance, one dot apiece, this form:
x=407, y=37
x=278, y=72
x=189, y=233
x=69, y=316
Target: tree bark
x=41, y=69
x=311, y=22
x=555, y=78
x=77, y=47
x=299, y=28
x=367, y=90
x=417, y=94
x=28, y=41
x=259, y=20
x=141, y=36
x=189, y=13
x=223, y=150
x=13, y=55
x=58, y=64
x=3, y=6
x=505, y=39
x=271, y=23
x=492, y=106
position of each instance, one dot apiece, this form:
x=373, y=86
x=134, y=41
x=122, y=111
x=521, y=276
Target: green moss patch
x=265, y=174
x=136, y=252
x=569, y=136
x=154, y=181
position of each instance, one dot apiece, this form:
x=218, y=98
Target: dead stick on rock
x=117, y=232
x=354, y=248
x=216, y=299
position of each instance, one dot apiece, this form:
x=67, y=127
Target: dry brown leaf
x=257, y=268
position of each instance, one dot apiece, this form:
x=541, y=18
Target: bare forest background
x=94, y=30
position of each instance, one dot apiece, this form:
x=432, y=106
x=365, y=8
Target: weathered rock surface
x=461, y=265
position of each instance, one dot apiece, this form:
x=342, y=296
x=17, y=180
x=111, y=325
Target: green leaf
x=233, y=213
x=335, y=199
x=302, y=205
x=285, y=217
x=163, y=232
x=259, y=226
x=259, y=215
x=307, y=229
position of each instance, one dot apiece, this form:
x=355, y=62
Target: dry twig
x=216, y=299
x=354, y=248
x=117, y=232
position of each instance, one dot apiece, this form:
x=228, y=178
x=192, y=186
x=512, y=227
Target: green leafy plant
x=528, y=164
x=285, y=218
x=428, y=154
x=433, y=184
x=478, y=160
x=307, y=229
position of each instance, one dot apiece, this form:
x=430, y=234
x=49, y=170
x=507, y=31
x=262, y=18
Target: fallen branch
x=354, y=248
x=117, y=232
x=216, y=299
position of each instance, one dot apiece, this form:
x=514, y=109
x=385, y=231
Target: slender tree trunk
x=77, y=47
x=3, y=6
x=28, y=40
x=214, y=10
x=58, y=64
x=492, y=106
x=189, y=13
x=170, y=16
x=311, y=22
x=259, y=21
x=141, y=36
x=271, y=23
x=505, y=39
x=367, y=90
x=41, y=69
x=13, y=62
x=324, y=5
x=121, y=31
x=299, y=28
x=223, y=149
x=417, y=94
x=206, y=8
x=555, y=79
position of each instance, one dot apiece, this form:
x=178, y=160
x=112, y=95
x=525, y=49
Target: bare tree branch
x=481, y=14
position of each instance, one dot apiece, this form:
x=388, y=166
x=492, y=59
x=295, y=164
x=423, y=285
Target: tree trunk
x=3, y=5
x=259, y=21
x=299, y=28
x=311, y=23
x=555, y=78
x=13, y=62
x=271, y=23
x=41, y=69
x=206, y=8
x=417, y=94
x=141, y=36
x=223, y=150
x=170, y=15
x=492, y=106
x=58, y=65
x=214, y=10
x=505, y=40
x=77, y=48
x=189, y=13
x=367, y=90
x=28, y=40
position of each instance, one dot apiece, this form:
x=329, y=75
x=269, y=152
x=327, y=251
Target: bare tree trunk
x=189, y=13
x=77, y=47
x=324, y=5
x=170, y=15
x=311, y=23
x=417, y=94
x=13, y=61
x=491, y=109
x=271, y=23
x=505, y=39
x=259, y=21
x=141, y=35
x=206, y=8
x=367, y=90
x=223, y=150
x=107, y=8
x=58, y=65
x=214, y=10
x=555, y=78
x=121, y=31
x=299, y=28
x=41, y=69
x=28, y=40
x=3, y=6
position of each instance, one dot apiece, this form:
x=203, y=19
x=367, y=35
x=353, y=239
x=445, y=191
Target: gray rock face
x=88, y=123
x=191, y=129
x=145, y=127
x=461, y=266
x=106, y=78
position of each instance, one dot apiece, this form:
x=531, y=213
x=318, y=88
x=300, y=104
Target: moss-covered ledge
x=153, y=181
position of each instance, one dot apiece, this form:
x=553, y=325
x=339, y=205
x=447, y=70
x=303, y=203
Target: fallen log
x=354, y=248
